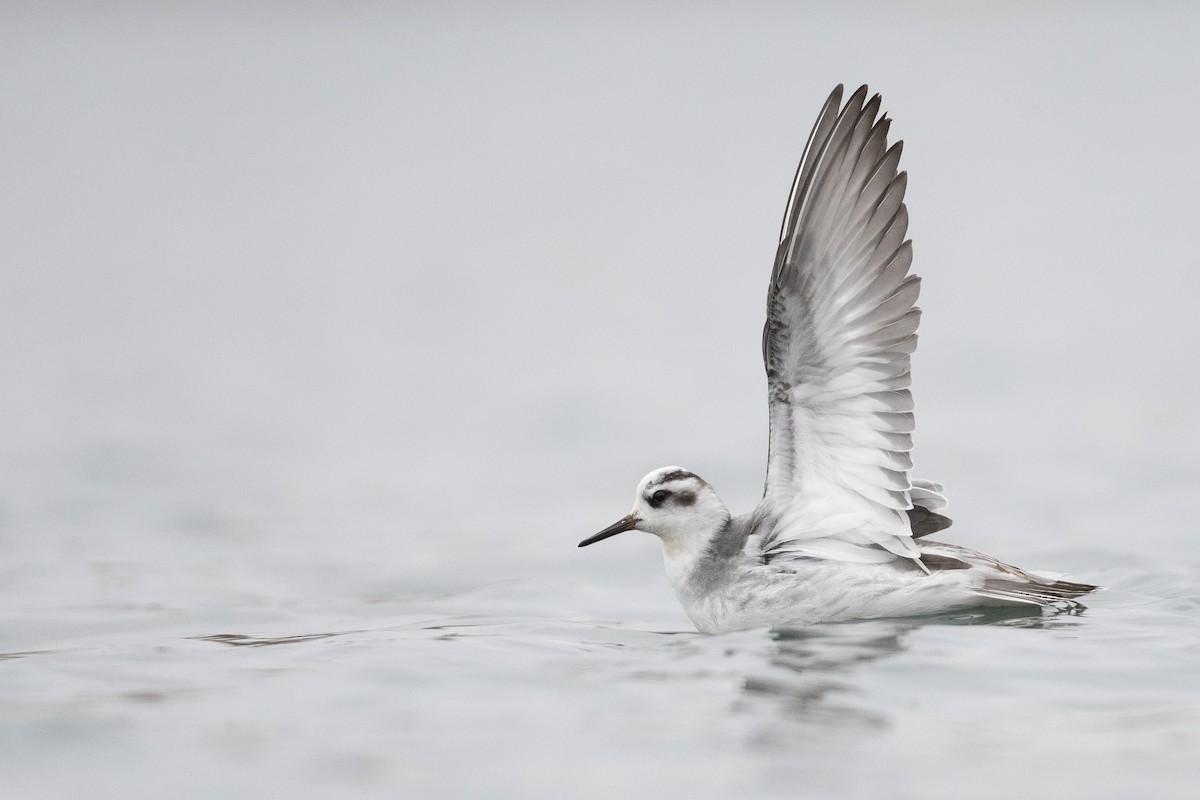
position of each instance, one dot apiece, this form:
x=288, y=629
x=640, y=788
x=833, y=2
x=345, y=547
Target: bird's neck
x=689, y=556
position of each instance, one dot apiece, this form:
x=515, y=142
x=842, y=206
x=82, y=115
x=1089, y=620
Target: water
x=515, y=689
x=326, y=334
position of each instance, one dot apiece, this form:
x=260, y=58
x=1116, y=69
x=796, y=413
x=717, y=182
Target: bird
x=841, y=530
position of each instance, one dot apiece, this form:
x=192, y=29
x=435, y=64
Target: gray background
x=365, y=302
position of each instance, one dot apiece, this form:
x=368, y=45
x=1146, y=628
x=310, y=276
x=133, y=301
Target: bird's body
x=839, y=532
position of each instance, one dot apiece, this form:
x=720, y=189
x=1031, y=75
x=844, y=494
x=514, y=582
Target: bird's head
x=675, y=505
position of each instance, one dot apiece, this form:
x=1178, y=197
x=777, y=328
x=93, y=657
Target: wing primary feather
x=804, y=169
x=816, y=179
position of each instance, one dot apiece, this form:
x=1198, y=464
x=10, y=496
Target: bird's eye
x=660, y=495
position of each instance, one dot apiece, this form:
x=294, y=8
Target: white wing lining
x=841, y=327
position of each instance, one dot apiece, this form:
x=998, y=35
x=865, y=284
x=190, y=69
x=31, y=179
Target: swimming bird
x=840, y=531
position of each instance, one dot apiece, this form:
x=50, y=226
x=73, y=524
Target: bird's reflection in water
x=808, y=671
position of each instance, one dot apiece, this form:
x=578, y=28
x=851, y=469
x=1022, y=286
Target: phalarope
x=839, y=533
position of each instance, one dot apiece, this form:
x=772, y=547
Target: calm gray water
x=326, y=333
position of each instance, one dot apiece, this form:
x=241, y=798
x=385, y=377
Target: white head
x=675, y=505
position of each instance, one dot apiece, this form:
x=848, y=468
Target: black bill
x=620, y=526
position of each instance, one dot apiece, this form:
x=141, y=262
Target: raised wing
x=841, y=327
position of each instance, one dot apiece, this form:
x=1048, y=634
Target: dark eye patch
x=659, y=497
